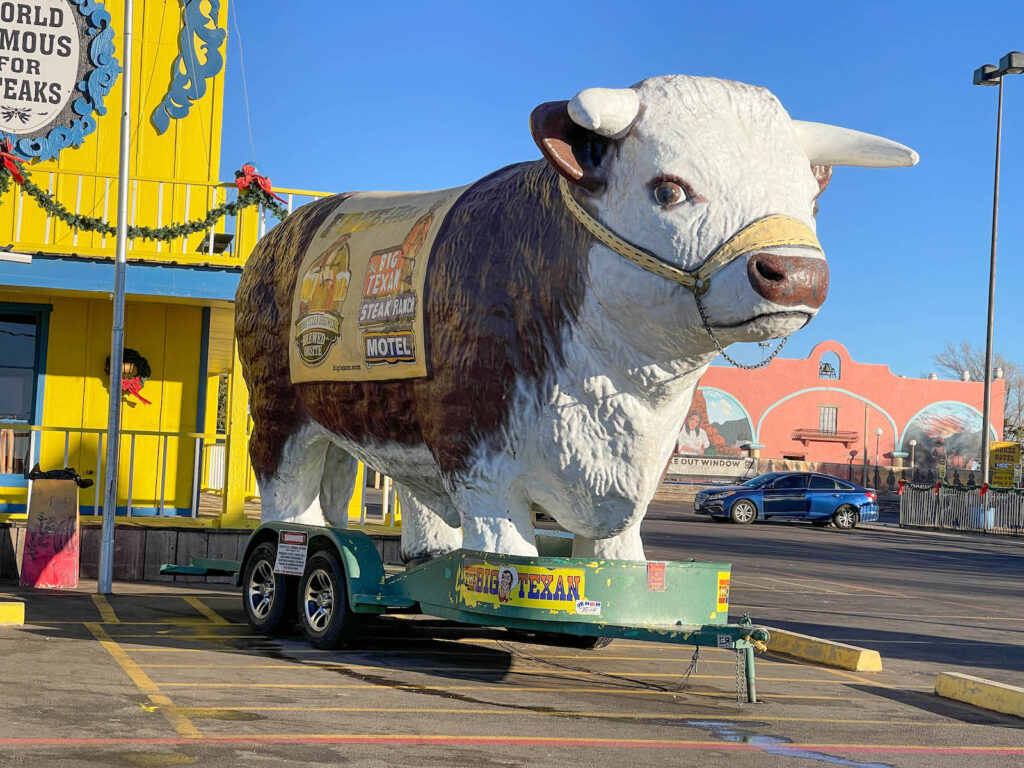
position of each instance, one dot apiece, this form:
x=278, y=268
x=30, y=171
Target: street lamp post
x=878, y=439
x=1011, y=64
x=913, y=445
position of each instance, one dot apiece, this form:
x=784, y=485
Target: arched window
x=829, y=366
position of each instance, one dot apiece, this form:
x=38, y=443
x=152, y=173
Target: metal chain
x=741, y=680
x=711, y=334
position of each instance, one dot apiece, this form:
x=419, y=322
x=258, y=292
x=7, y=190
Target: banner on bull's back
x=357, y=313
x=523, y=586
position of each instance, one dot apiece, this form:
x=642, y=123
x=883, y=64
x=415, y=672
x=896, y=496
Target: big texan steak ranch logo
x=323, y=290
x=388, y=306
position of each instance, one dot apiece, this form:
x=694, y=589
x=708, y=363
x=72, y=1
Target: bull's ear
x=822, y=175
x=575, y=152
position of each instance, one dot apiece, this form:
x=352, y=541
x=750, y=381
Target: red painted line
x=529, y=741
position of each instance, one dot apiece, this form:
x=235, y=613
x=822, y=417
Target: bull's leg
x=426, y=532
x=337, y=484
x=625, y=546
x=495, y=523
x=291, y=491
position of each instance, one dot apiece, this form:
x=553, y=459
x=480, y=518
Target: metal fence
x=962, y=508
x=159, y=470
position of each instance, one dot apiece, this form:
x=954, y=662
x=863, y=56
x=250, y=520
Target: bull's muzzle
x=789, y=280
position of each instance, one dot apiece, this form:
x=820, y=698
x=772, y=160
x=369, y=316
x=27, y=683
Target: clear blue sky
x=428, y=95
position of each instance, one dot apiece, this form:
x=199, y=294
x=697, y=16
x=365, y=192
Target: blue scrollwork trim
x=99, y=78
x=190, y=75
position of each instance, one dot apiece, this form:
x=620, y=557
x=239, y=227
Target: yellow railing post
x=237, y=448
x=355, y=504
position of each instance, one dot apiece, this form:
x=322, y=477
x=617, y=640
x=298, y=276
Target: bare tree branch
x=961, y=356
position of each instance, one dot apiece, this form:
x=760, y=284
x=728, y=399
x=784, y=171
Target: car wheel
x=266, y=594
x=743, y=512
x=845, y=518
x=324, y=613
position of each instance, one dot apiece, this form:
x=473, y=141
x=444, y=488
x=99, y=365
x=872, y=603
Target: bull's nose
x=789, y=280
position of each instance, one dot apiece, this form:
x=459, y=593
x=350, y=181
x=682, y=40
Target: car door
x=787, y=497
x=823, y=496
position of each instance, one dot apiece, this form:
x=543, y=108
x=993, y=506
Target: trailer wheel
x=324, y=613
x=266, y=594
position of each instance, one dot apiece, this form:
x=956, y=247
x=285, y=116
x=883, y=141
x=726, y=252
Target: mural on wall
x=946, y=431
x=716, y=425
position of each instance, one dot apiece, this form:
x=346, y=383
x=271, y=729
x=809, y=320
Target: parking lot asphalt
x=167, y=674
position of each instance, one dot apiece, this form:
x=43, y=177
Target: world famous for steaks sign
x=56, y=66
x=357, y=312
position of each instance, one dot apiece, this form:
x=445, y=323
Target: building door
x=22, y=329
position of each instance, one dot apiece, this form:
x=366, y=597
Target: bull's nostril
x=768, y=273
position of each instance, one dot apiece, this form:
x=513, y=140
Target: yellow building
x=56, y=282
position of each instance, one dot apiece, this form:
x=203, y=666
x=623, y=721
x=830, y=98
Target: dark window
x=17, y=366
x=791, y=481
x=828, y=418
x=823, y=484
x=843, y=486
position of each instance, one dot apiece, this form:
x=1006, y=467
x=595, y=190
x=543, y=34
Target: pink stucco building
x=814, y=410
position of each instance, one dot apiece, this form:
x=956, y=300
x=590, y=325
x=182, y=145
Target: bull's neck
x=606, y=346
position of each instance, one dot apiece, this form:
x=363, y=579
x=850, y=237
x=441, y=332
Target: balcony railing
x=154, y=202
x=819, y=436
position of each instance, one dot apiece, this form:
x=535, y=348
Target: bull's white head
x=709, y=185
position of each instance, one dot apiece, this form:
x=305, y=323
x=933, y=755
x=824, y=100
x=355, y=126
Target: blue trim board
x=204, y=360
x=97, y=275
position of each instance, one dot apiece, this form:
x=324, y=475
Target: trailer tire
x=326, y=619
x=266, y=595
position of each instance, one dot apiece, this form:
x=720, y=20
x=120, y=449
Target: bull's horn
x=606, y=111
x=831, y=145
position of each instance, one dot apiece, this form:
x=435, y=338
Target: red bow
x=248, y=175
x=935, y=490
x=132, y=387
x=11, y=161
x=900, y=491
x=984, y=489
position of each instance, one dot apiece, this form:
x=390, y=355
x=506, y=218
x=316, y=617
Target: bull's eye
x=669, y=193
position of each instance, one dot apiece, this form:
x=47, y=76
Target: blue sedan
x=821, y=499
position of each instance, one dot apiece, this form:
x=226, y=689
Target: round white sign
x=39, y=63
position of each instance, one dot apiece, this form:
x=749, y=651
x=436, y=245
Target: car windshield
x=757, y=482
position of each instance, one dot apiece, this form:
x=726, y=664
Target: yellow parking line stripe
x=180, y=723
x=107, y=615
x=208, y=612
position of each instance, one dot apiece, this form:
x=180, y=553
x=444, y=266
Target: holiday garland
x=253, y=189
x=934, y=487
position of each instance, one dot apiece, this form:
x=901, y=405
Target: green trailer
x=334, y=579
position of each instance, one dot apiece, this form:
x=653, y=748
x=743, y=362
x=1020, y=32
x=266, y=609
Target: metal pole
x=987, y=411
x=106, y=569
x=864, y=477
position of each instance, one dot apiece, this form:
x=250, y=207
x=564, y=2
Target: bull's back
x=506, y=272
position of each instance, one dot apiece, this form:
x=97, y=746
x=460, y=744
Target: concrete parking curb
x=987, y=694
x=12, y=614
x=827, y=652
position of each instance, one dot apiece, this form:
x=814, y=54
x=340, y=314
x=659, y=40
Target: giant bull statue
x=571, y=304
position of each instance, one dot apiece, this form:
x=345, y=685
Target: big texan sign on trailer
x=56, y=66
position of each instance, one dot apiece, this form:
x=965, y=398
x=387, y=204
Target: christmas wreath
x=134, y=372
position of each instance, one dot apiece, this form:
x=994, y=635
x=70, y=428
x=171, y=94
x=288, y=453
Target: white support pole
x=106, y=569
